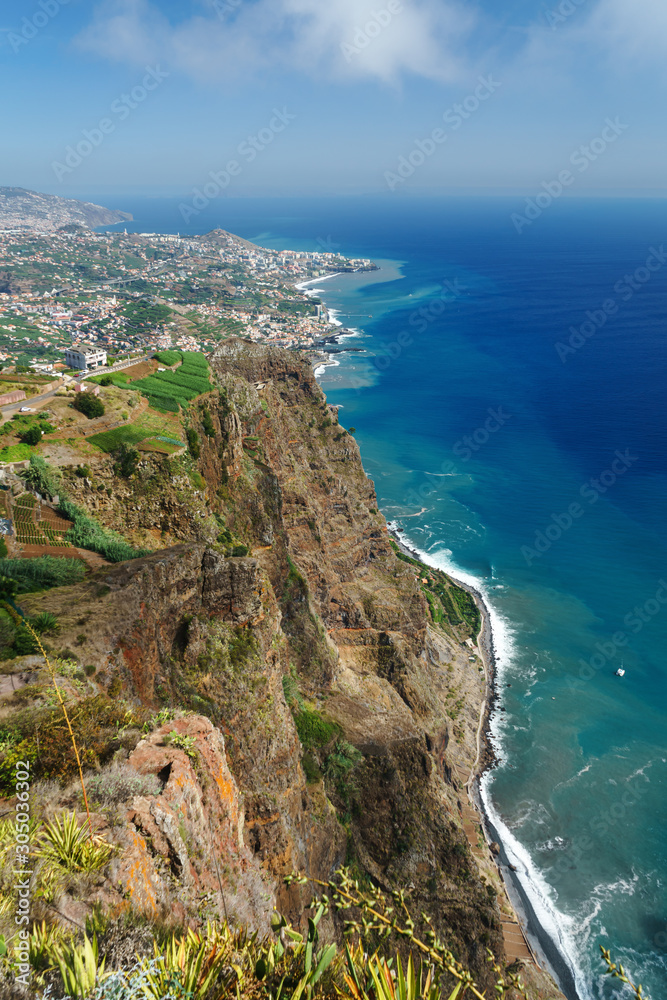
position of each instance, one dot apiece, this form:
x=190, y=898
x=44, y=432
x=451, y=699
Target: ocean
x=510, y=407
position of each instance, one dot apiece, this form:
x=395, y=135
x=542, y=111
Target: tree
x=193, y=442
x=127, y=460
x=106, y=380
x=88, y=404
x=207, y=423
x=32, y=435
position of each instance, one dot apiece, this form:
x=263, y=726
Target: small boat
x=620, y=672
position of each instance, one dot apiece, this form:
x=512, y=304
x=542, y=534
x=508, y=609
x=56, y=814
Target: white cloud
x=335, y=39
x=634, y=30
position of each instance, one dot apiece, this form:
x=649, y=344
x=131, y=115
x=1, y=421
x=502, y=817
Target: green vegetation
x=297, y=307
x=177, y=387
x=168, y=357
x=147, y=426
x=447, y=601
x=387, y=953
x=87, y=533
x=109, y=441
x=141, y=317
x=42, y=572
x=32, y=435
x=207, y=422
x=40, y=735
x=126, y=461
x=16, y=453
x=42, y=478
x=193, y=442
x=91, y=406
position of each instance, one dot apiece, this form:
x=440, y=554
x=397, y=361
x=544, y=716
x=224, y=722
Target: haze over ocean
x=554, y=505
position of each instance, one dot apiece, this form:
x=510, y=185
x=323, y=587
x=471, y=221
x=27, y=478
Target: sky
x=334, y=97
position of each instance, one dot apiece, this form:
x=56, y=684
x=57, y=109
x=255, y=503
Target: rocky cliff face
x=332, y=719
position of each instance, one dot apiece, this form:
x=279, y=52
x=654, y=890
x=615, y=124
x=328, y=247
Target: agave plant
x=63, y=842
x=45, y=622
x=43, y=943
x=80, y=967
x=192, y=963
x=375, y=978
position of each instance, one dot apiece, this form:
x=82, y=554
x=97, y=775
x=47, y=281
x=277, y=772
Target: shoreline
x=546, y=952
x=543, y=946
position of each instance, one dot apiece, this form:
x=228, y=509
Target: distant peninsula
x=47, y=213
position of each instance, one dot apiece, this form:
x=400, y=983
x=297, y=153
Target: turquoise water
x=538, y=472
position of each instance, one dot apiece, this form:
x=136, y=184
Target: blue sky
x=333, y=96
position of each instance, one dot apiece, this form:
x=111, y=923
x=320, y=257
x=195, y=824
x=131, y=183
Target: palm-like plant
x=194, y=962
x=63, y=842
x=80, y=967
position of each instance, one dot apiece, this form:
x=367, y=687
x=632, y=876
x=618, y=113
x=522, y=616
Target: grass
x=168, y=357
x=42, y=572
x=146, y=426
x=16, y=453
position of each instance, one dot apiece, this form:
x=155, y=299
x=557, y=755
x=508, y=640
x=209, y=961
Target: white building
x=83, y=356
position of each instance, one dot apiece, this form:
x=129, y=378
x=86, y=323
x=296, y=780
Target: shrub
x=118, y=783
x=87, y=533
x=89, y=405
x=126, y=460
x=32, y=435
x=106, y=380
x=42, y=478
x=313, y=730
x=207, y=422
x=193, y=442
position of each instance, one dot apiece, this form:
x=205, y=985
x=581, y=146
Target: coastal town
x=126, y=294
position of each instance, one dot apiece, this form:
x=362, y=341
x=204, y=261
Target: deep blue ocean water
x=539, y=473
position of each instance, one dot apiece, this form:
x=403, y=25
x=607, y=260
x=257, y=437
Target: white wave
x=304, y=286
x=562, y=929
x=320, y=370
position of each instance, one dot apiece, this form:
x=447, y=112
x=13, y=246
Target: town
x=116, y=296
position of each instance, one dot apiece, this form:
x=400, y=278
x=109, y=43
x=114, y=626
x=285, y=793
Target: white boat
x=620, y=672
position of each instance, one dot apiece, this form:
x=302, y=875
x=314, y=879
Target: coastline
x=546, y=954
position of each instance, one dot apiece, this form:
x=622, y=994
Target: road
x=12, y=408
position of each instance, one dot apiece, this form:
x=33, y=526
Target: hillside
x=273, y=687
x=31, y=210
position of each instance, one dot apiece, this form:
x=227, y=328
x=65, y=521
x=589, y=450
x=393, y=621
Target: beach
x=540, y=942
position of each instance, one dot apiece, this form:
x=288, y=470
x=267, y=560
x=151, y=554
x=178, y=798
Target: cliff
x=333, y=706
x=23, y=209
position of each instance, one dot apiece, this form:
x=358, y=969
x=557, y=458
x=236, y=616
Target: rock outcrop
x=332, y=716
